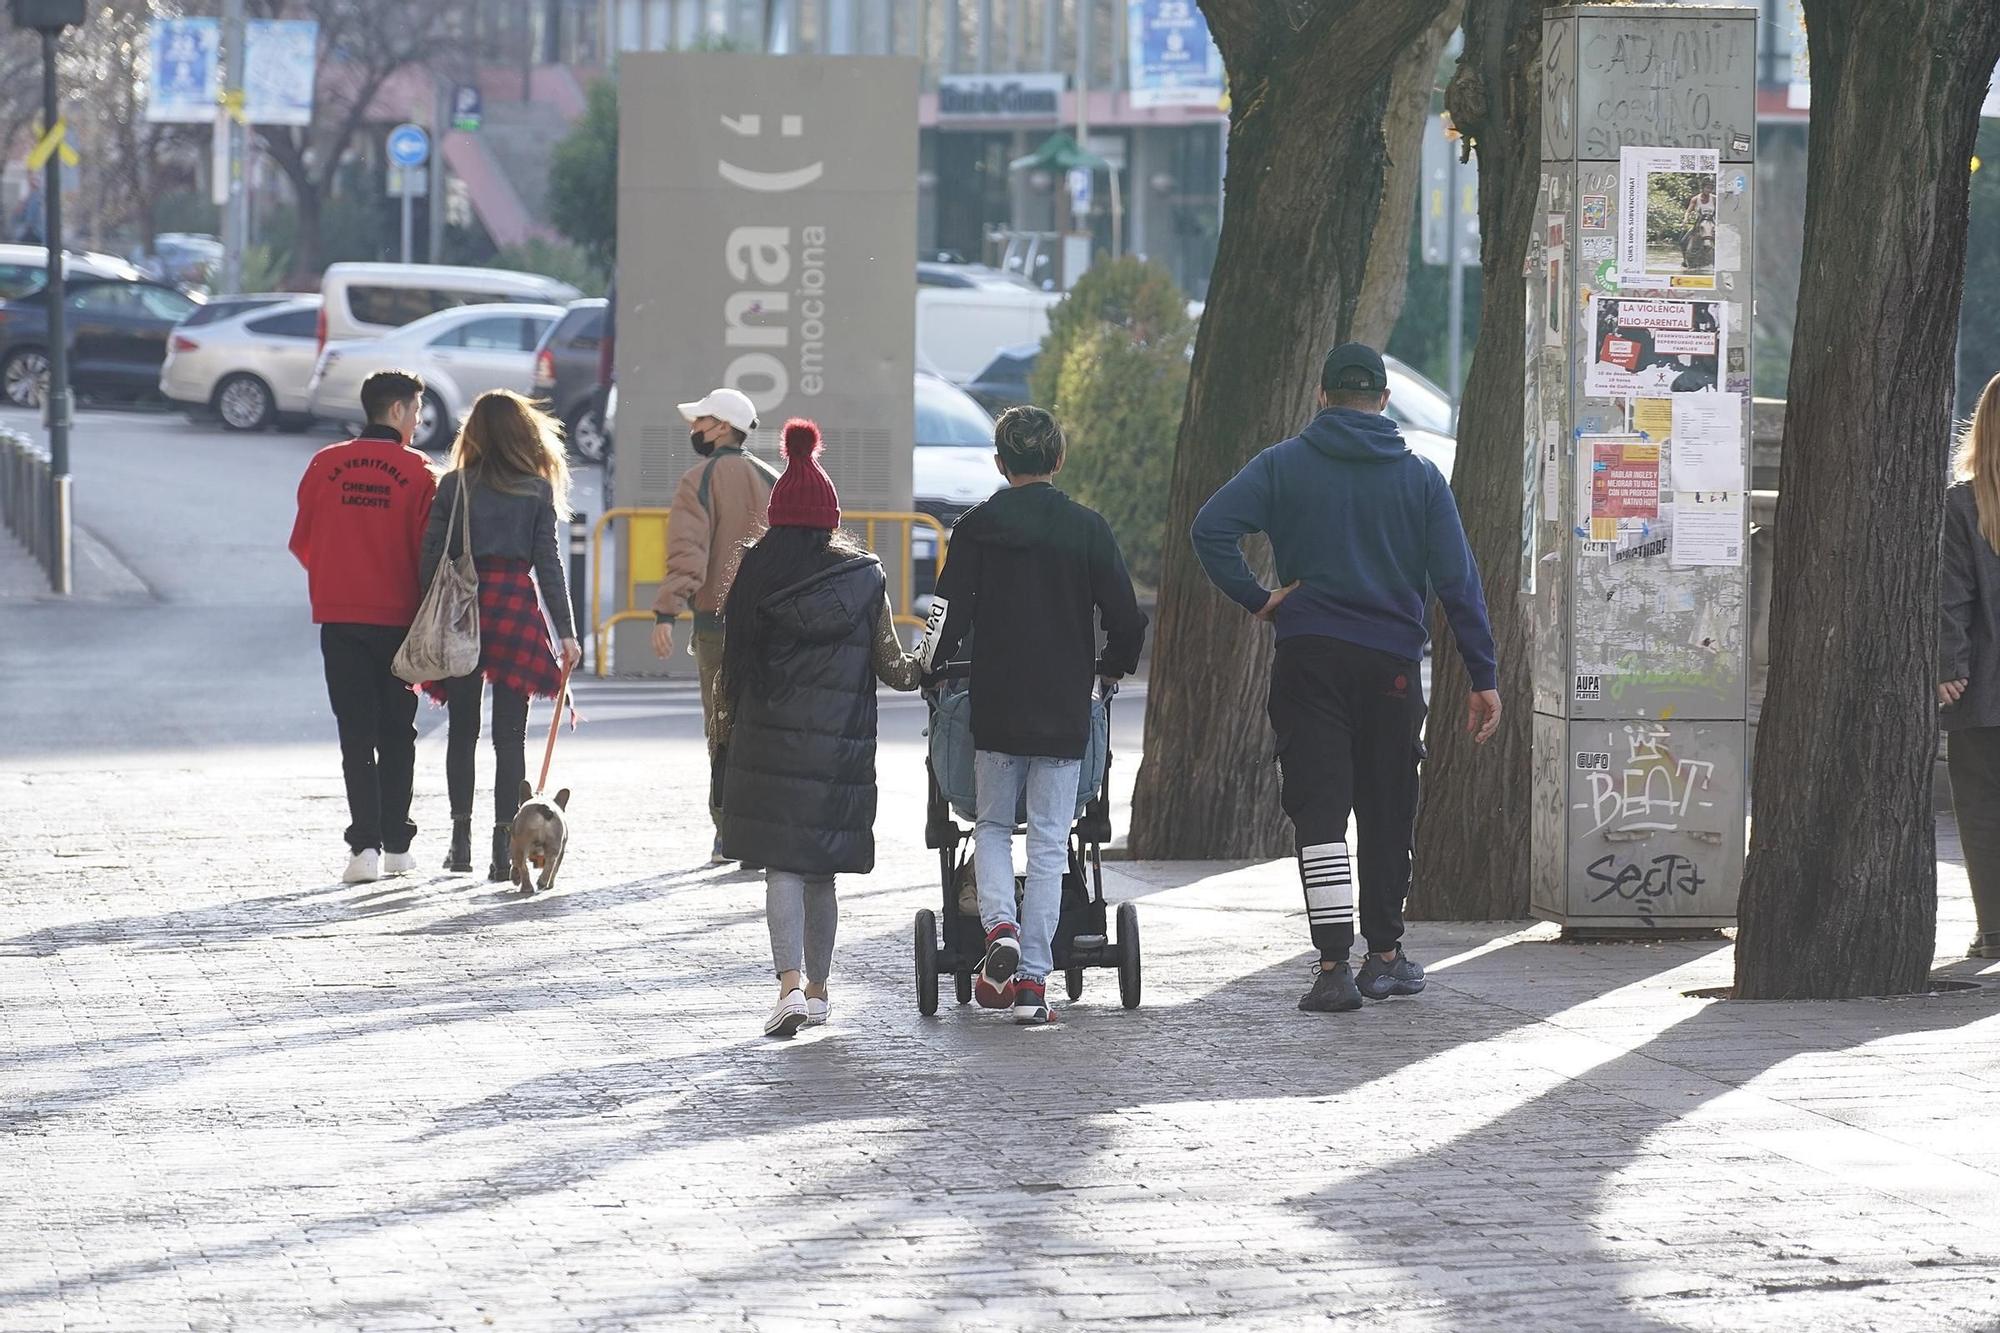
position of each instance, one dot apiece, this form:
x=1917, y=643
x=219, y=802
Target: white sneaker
x=398, y=863
x=817, y=1011
x=365, y=868
x=788, y=1016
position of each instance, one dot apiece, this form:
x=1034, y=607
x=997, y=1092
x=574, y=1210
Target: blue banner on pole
x=280, y=67
x=1172, y=60
x=186, y=78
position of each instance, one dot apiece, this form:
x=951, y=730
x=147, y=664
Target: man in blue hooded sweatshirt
x=1362, y=530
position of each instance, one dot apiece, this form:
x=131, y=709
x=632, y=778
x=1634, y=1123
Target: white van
x=370, y=300
x=961, y=326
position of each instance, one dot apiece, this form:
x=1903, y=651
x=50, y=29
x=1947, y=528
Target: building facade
x=1000, y=77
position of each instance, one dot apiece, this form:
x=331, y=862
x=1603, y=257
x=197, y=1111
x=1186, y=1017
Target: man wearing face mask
x=718, y=510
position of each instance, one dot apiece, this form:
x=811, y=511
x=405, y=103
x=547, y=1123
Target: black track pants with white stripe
x=1349, y=722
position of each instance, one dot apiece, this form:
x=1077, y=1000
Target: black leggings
x=510, y=745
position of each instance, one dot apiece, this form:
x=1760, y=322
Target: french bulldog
x=541, y=835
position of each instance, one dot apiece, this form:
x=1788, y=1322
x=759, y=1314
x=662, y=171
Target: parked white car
x=1423, y=414
x=251, y=368
x=951, y=470
x=459, y=354
x=374, y=300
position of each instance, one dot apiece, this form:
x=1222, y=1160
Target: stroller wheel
x=1073, y=983
x=927, y=974
x=1128, y=955
x=962, y=983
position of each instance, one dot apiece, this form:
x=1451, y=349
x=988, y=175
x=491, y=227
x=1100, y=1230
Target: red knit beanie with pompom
x=804, y=497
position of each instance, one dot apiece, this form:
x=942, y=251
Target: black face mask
x=700, y=443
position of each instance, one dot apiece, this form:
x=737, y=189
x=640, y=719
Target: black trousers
x=377, y=717
x=1349, y=722
x=1974, y=763
x=510, y=745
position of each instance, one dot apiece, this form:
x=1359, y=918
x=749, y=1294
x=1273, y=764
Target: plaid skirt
x=514, y=648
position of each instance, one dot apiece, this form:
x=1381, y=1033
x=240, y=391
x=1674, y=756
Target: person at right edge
x=719, y=511
x=1361, y=528
x=1027, y=575
x=1969, y=660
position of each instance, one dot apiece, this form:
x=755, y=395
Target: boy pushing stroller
x=1028, y=573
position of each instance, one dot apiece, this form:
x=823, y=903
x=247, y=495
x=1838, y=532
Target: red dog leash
x=555, y=724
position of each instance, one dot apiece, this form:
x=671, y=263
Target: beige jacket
x=718, y=510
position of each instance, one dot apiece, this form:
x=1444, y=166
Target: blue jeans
x=1051, y=790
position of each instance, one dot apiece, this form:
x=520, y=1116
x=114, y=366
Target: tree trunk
x=307, y=248
x=1411, y=86
x=1308, y=165
x=1472, y=832
x=1839, y=895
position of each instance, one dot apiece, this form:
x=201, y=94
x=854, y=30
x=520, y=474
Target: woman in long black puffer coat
x=807, y=634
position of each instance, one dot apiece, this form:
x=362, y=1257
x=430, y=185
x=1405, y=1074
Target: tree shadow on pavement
x=951, y=1131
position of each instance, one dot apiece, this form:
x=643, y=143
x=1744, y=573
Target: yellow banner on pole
x=56, y=140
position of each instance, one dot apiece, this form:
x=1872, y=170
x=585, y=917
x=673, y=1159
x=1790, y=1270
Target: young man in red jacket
x=362, y=510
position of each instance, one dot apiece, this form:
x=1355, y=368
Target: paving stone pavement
x=238, y=1095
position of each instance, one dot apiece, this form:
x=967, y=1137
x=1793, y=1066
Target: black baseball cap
x=1353, y=368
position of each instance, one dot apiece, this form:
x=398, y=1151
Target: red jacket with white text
x=362, y=510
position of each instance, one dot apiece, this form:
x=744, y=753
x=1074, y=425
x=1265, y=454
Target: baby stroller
x=1082, y=939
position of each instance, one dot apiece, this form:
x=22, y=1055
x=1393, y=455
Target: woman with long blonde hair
x=510, y=460
x=1969, y=659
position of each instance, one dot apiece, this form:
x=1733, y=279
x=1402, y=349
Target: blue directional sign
x=409, y=146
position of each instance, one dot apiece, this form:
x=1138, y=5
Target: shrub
x=1121, y=410
x=1133, y=294
x=583, y=177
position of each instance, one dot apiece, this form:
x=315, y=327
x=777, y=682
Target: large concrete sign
x=1635, y=519
x=767, y=226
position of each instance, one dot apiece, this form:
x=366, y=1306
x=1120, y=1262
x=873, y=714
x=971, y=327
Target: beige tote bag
x=443, y=642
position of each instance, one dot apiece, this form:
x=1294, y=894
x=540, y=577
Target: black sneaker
x=1332, y=992
x=1031, y=1003
x=993, y=987
x=1380, y=979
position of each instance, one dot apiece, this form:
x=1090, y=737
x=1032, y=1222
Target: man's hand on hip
x=1273, y=602
x=1482, y=715
x=663, y=640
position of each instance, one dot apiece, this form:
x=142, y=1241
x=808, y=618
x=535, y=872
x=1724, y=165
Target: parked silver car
x=251, y=369
x=459, y=353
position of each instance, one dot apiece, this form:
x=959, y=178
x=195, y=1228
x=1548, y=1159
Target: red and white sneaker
x=1031, y=1003
x=993, y=985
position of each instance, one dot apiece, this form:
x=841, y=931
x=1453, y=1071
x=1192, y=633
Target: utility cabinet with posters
x=1635, y=514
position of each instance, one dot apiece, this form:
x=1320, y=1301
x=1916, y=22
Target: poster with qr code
x=1667, y=218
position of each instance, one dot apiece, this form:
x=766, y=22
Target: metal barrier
x=867, y=522
x=35, y=504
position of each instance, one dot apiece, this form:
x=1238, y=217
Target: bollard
x=579, y=561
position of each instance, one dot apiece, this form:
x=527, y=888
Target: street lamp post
x=50, y=17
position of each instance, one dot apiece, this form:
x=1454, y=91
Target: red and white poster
x=1624, y=483
x=1649, y=349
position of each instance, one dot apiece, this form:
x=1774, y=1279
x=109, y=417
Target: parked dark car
x=566, y=375
x=228, y=307
x=1004, y=382
x=117, y=332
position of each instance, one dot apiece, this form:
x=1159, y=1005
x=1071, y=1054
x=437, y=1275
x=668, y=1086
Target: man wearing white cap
x=718, y=510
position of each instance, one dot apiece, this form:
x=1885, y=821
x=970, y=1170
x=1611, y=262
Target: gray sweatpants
x=802, y=914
